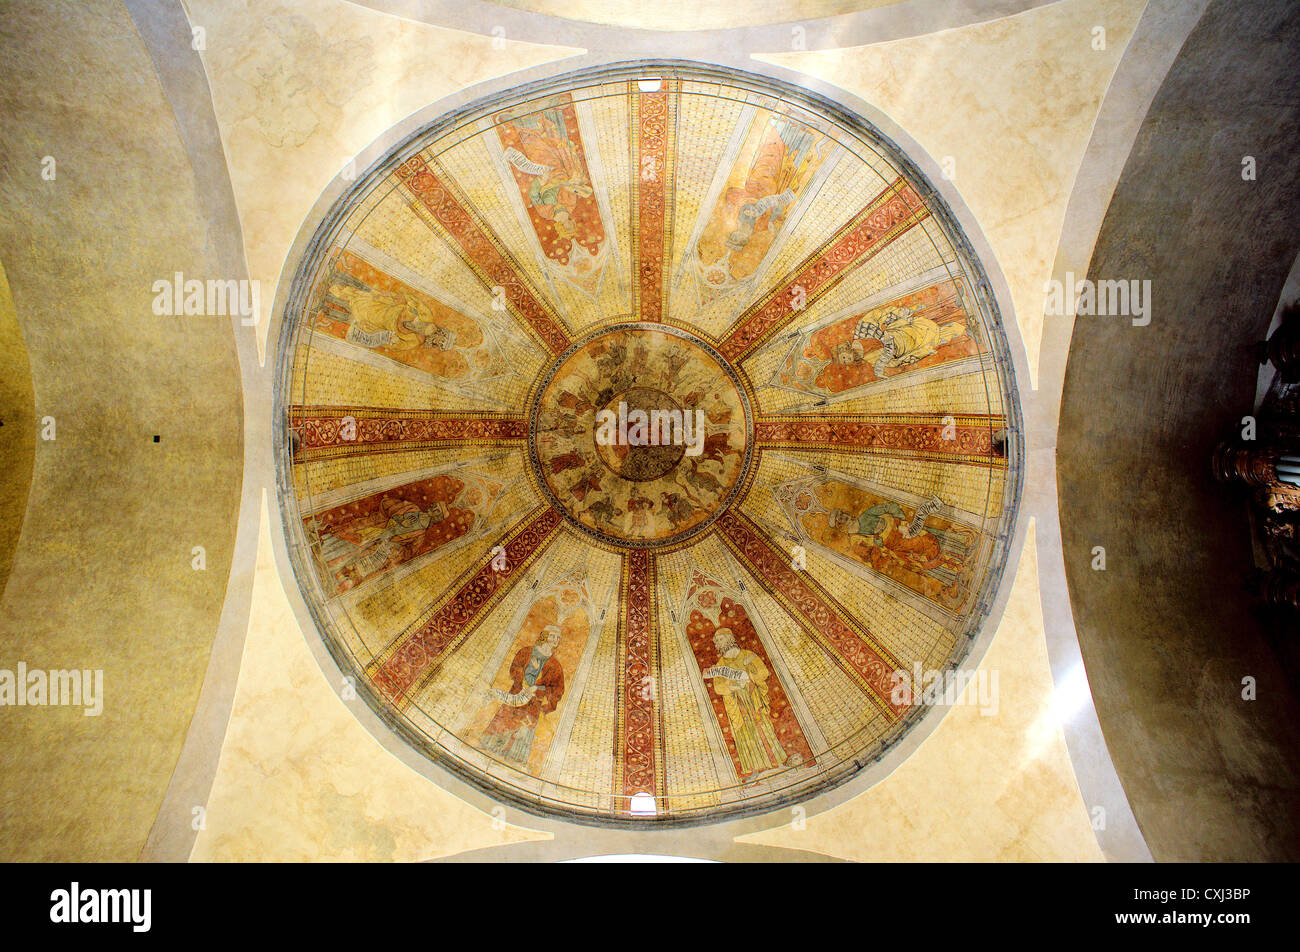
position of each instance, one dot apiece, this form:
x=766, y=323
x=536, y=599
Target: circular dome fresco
x=641, y=434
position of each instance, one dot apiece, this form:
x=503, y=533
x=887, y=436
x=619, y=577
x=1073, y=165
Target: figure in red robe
x=884, y=533
x=536, y=686
x=567, y=461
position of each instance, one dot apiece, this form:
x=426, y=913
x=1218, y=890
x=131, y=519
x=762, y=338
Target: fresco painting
x=544, y=150
x=925, y=328
x=365, y=538
x=649, y=249
x=913, y=545
x=523, y=697
x=364, y=306
x=749, y=703
x=774, y=167
x=651, y=492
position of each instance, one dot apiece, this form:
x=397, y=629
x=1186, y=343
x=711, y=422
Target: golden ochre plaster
x=18, y=438
x=103, y=577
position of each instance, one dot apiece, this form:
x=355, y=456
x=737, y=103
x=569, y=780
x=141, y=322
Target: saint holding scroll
x=740, y=679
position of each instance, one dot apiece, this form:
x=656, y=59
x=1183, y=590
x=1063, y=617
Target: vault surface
x=642, y=434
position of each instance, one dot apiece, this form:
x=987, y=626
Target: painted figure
x=365, y=537
x=704, y=484
x=547, y=159
x=885, y=528
x=589, y=483
x=364, y=306
x=627, y=454
x=740, y=679
x=905, y=337
x=925, y=328
x=677, y=508
x=751, y=707
x=557, y=175
x=604, y=511
x=638, y=512
x=774, y=166
x=918, y=547
x=366, y=551
x=537, y=685
x=566, y=461
x=390, y=319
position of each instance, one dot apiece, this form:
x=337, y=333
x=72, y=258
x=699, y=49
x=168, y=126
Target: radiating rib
x=841, y=636
x=483, y=251
x=887, y=216
x=322, y=432
x=653, y=133
x=415, y=656
x=639, y=735
x=953, y=438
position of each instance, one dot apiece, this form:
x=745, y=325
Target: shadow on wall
x=1166, y=630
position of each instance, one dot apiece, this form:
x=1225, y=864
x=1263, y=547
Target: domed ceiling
x=634, y=429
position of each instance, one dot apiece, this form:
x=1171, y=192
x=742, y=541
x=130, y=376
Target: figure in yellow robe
x=740, y=679
x=403, y=326
x=905, y=335
x=391, y=319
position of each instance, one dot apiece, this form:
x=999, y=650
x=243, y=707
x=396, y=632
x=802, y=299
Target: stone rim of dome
x=892, y=21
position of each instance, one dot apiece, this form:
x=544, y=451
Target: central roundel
x=641, y=434
x=648, y=457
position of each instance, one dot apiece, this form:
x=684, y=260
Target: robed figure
x=740, y=680
x=537, y=684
